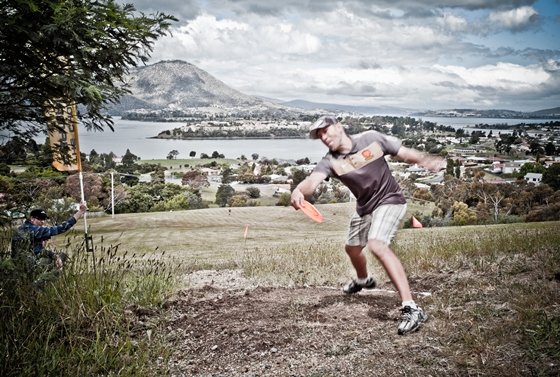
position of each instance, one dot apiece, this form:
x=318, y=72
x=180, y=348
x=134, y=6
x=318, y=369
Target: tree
x=139, y=200
x=224, y=193
x=129, y=158
x=157, y=175
x=195, y=180
x=247, y=177
x=298, y=175
x=550, y=149
x=552, y=176
x=528, y=167
x=77, y=51
x=192, y=154
x=17, y=149
x=462, y=215
x=254, y=192
x=92, y=185
x=255, y=156
x=58, y=207
x=173, y=154
x=215, y=154
x=227, y=175
x=238, y=200
x=178, y=202
x=284, y=199
x=119, y=195
x=424, y=195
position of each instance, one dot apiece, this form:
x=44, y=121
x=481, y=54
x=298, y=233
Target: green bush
x=284, y=199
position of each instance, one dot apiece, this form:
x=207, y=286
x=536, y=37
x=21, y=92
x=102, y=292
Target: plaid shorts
x=381, y=225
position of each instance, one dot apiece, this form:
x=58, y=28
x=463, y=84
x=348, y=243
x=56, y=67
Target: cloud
x=381, y=8
x=408, y=53
x=516, y=20
x=184, y=10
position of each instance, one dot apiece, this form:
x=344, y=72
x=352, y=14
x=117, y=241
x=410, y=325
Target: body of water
x=135, y=135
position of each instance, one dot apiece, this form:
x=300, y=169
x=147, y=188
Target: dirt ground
x=224, y=326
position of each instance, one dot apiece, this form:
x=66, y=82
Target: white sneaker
x=411, y=319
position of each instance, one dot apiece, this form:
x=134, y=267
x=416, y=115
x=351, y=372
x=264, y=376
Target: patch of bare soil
x=223, y=326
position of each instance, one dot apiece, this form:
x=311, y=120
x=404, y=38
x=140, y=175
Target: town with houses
x=501, y=168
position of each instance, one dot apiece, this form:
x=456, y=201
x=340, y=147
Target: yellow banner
x=63, y=135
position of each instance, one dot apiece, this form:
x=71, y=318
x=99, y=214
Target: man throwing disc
x=358, y=162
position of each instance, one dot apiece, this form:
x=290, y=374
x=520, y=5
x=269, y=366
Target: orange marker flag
x=246, y=231
x=416, y=223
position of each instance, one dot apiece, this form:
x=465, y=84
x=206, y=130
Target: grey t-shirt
x=365, y=172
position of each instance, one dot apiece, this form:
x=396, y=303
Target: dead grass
x=494, y=297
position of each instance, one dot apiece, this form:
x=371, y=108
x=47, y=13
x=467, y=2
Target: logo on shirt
x=367, y=154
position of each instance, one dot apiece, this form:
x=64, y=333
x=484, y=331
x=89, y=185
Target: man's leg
x=355, y=242
x=358, y=259
x=412, y=315
x=393, y=266
x=384, y=224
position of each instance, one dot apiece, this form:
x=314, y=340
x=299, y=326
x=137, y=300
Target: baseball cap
x=39, y=214
x=322, y=122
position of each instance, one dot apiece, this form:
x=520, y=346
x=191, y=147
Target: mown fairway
x=215, y=235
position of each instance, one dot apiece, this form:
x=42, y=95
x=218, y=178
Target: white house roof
x=533, y=175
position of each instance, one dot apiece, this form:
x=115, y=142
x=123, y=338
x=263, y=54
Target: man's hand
x=433, y=163
x=58, y=261
x=83, y=209
x=297, y=199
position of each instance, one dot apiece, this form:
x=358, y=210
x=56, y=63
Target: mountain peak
x=179, y=84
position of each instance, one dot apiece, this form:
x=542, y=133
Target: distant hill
x=493, y=113
x=554, y=111
x=178, y=85
x=365, y=110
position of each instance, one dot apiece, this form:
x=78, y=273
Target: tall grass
x=92, y=320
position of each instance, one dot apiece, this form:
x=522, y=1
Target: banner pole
x=87, y=238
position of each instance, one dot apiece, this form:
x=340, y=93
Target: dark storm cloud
x=540, y=55
x=417, y=8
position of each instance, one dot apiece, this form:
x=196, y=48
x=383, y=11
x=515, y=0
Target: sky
x=413, y=54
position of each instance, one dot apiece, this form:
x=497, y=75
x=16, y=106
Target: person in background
x=29, y=240
x=359, y=162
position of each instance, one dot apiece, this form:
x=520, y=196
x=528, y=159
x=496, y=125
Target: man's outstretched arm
x=306, y=187
x=414, y=156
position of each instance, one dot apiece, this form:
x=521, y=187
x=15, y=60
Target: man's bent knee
x=378, y=248
x=353, y=250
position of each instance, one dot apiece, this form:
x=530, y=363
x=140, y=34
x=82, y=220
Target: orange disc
x=311, y=212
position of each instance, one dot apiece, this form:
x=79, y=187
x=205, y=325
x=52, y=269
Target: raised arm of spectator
x=83, y=209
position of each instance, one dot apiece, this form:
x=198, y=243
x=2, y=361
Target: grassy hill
x=185, y=293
